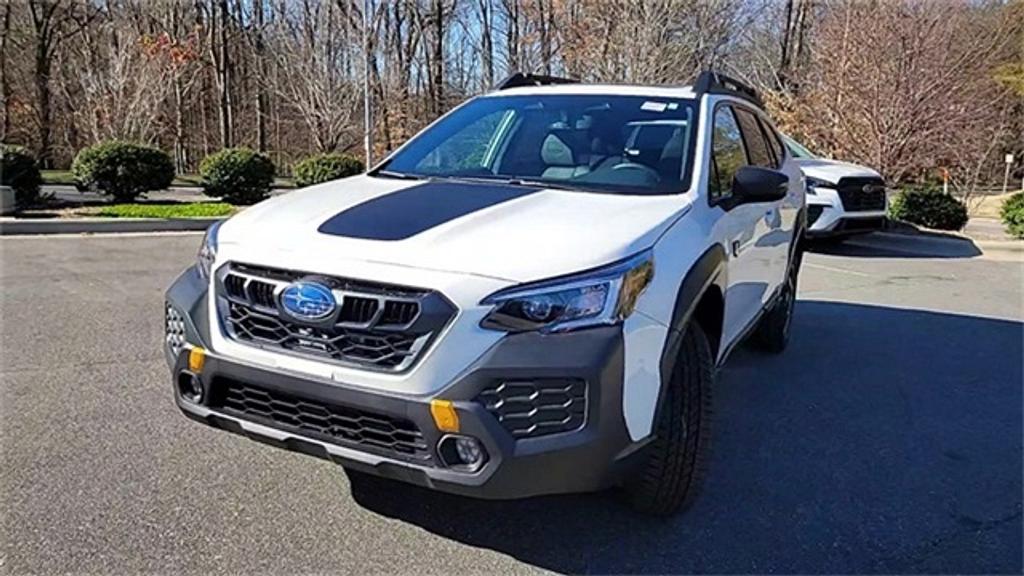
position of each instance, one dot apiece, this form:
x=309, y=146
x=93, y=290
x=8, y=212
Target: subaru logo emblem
x=308, y=301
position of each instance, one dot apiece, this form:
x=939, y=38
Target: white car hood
x=504, y=232
x=833, y=170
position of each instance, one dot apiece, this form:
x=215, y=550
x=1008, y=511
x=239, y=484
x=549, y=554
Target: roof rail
x=710, y=82
x=520, y=79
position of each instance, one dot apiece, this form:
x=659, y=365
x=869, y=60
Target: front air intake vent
x=532, y=408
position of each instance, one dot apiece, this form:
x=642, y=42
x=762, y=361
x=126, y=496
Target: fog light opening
x=190, y=387
x=462, y=452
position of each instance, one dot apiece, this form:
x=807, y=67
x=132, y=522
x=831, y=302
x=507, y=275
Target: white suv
x=843, y=199
x=529, y=297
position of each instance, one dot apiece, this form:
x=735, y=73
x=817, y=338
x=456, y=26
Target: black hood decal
x=409, y=211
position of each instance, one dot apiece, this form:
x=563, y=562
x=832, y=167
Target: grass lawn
x=63, y=177
x=987, y=206
x=192, y=210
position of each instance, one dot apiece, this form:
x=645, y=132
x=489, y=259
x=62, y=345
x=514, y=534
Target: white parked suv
x=531, y=296
x=843, y=199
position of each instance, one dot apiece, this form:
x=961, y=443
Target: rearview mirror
x=756, y=184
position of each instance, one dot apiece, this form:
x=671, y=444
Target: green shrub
x=18, y=170
x=325, y=167
x=237, y=175
x=929, y=207
x=122, y=170
x=1013, y=215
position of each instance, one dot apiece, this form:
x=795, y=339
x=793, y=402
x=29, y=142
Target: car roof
x=599, y=89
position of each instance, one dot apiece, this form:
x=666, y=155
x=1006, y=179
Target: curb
x=1011, y=249
x=37, y=226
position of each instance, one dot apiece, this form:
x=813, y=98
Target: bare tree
x=53, y=21
x=313, y=57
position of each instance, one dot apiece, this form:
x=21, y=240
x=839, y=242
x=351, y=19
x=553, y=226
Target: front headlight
x=813, y=183
x=600, y=297
x=208, y=251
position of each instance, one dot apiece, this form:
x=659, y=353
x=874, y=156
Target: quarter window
x=727, y=153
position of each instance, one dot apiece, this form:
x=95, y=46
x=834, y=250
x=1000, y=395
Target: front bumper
x=591, y=457
x=826, y=216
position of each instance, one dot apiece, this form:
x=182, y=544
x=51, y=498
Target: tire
x=772, y=332
x=670, y=478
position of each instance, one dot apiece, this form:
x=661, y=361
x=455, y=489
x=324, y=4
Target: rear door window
x=774, y=141
x=727, y=155
x=757, y=148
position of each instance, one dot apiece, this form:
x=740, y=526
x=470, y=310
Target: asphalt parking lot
x=888, y=438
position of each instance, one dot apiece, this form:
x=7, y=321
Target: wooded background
x=903, y=86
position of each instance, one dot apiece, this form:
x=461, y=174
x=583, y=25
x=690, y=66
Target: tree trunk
x=261, y=93
x=45, y=103
x=5, y=85
x=438, y=60
x=225, y=78
x=487, y=42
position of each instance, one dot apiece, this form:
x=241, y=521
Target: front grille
x=860, y=224
x=334, y=423
x=376, y=326
x=532, y=408
x=862, y=194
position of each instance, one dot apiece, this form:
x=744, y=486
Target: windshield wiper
x=512, y=182
x=396, y=175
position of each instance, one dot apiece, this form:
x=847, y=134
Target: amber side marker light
x=445, y=417
x=196, y=360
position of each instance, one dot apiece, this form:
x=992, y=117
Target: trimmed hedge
x=18, y=169
x=929, y=207
x=1013, y=215
x=325, y=167
x=122, y=170
x=237, y=175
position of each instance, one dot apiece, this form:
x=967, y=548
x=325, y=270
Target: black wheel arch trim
x=708, y=270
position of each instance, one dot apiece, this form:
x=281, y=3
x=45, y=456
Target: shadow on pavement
x=883, y=440
x=891, y=245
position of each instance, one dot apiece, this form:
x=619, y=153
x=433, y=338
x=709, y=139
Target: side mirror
x=756, y=184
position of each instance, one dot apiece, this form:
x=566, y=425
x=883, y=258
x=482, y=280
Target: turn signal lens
x=445, y=417
x=196, y=360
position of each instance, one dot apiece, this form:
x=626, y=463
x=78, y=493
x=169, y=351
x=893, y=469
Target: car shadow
x=897, y=245
x=883, y=440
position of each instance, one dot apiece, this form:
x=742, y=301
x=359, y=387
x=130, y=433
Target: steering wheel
x=649, y=173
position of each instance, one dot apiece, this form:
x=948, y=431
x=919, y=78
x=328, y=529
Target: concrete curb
x=1002, y=249
x=36, y=226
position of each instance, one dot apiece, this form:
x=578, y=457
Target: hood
x=513, y=233
x=833, y=170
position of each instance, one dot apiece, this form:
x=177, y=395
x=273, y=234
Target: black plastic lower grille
x=862, y=194
x=532, y=408
x=343, y=425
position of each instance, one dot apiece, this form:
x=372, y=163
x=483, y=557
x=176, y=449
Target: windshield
x=604, y=143
x=797, y=149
